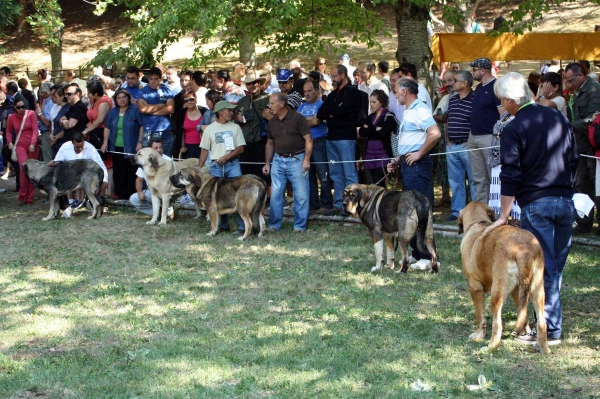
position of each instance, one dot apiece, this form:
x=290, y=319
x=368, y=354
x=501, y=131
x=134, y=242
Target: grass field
x=112, y=308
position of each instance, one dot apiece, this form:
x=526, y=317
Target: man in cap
x=345, y=61
x=248, y=114
x=485, y=111
x=224, y=140
x=286, y=80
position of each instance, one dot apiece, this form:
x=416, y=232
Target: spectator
x=285, y=78
x=187, y=136
x=485, y=111
x=383, y=67
x=534, y=79
x=28, y=94
x=123, y=132
x=370, y=83
x=132, y=82
x=223, y=83
x=75, y=119
x=321, y=67
x=410, y=70
x=378, y=128
x=60, y=100
x=156, y=105
x=459, y=126
x=44, y=119
x=476, y=27
x=586, y=102
x=341, y=111
x=289, y=146
x=345, y=61
x=322, y=203
x=540, y=176
x=173, y=80
x=585, y=64
x=23, y=126
x=212, y=98
x=198, y=84
x=100, y=105
x=549, y=92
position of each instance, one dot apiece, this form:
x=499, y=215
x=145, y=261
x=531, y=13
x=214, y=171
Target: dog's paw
x=476, y=336
x=390, y=266
x=162, y=223
x=47, y=218
x=261, y=235
x=150, y=222
x=91, y=217
x=376, y=268
x=241, y=238
x=486, y=349
x=211, y=233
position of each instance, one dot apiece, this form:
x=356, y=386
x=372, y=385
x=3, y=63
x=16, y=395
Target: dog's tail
x=258, y=210
x=424, y=225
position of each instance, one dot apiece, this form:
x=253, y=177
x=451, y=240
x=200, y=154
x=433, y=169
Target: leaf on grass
x=484, y=384
x=418, y=386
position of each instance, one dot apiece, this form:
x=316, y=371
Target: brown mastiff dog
x=246, y=195
x=390, y=215
x=508, y=260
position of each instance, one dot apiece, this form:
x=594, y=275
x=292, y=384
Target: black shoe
x=451, y=218
x=597, y=233
x=582, y=229
x=531, y=339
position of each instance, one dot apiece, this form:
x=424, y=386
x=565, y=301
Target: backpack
x=594, y=133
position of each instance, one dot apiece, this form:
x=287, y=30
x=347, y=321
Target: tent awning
x=464, y=47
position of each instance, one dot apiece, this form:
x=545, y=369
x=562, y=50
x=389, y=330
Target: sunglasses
x=189, y=100
x=69, y=94
x=322, y=63
x=20, y=107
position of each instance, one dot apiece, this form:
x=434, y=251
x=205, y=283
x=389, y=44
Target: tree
x=47, y=23
x=284, y=27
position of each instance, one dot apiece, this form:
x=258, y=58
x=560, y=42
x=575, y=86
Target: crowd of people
x=309, y=134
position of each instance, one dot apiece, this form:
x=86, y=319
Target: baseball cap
x=344, y=57
x=222, y=105
x=284, y=74
x=481, y=63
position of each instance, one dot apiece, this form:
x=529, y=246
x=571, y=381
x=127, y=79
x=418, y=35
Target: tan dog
x=158, y=171
x=508, y=260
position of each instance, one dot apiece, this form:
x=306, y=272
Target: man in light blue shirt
x=45, y=120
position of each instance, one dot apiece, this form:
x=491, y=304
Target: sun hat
x=222, y=105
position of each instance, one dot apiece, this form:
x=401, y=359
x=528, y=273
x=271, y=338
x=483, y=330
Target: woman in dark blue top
x=57, y=137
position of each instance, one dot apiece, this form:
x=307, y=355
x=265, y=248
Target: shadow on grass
x=114, y=308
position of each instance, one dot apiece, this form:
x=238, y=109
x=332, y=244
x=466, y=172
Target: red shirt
x=29, y=135
x=92, y=113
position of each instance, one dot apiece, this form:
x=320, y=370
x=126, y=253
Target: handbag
x=13, y=155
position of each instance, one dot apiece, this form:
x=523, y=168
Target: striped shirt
x=459, y=118
x=413, y=129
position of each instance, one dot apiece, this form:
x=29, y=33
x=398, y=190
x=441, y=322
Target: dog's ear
x=491, y=214
x=460, y=222
x=194, y=178
x=363, y=197
x=153, y=161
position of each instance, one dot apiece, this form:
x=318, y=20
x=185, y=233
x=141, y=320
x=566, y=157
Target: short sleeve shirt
x=156, y=123
x=288, y=133
x=413, y=129
x=310, y=110
x=79, y=113
x=222, y=138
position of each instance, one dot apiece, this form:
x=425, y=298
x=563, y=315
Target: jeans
x=550, y=219
x=167, y=138
x=342, y=174
x=142, y=206
x=418, y=177
x=229, y=170
x=458, y=164
x=321, y=171
x=282, y=170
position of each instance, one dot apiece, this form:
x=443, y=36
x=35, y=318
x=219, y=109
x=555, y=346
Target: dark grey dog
x=65, y=177
x=393, y=214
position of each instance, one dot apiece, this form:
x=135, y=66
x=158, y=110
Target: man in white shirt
x=78, y=148
x=370, y=82
x=410, y=70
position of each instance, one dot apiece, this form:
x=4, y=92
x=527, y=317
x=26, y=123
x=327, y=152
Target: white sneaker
x=184, y=199
x=170, y=211
x=422, y=264
x=411, y=260
x=67, y=213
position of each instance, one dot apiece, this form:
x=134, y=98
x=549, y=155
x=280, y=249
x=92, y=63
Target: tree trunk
x=411, y=23
x=247, y=50
x=22, y=18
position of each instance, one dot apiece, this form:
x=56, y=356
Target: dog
x=390, y=215
x=508, y=260
x=64, y=178
x=158, y=171
x=246, y=195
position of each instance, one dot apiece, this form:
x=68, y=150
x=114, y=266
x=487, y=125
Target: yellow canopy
x=463, y=47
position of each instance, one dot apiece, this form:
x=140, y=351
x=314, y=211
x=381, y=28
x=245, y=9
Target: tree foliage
x=283, y=26
x=47, y=22
x=9, y=12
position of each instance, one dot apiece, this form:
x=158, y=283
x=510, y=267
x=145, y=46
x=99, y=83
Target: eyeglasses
x=189, y=100
x=252, y=83
x=322, y=63
x=459, y=81
x=69, y=94
x=20, y=107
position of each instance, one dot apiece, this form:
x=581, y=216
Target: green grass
x=113, y=308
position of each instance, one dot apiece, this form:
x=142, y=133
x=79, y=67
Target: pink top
x=29, y=135
x=190, y=134
x=92, y=113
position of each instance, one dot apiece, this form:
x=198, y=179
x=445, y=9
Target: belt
x=290, y=155
x=157, y=131
x=459, y=141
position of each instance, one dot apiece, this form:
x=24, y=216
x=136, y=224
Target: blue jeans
x=550, y=219
x=282, y=170
x=418, y=177
x=321, y=170
x=458, y=163
x=229, y=170
x=166, y=137
x=342, y=174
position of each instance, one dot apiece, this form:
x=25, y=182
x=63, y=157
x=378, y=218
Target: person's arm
x=39, y=111
x=313, y=121
x=348, y=106
x=148, y=109
x=103, y=109
x=591, y=106
x=308, y=147
x=506, y=203
x=139, y=184
x=269, y=150
x=138, y=146
x=433, y=136
x=266, y=114
x=167, y=108
x=203, y=157
x=35, y=130
x=105, y=141
x=232, y=155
